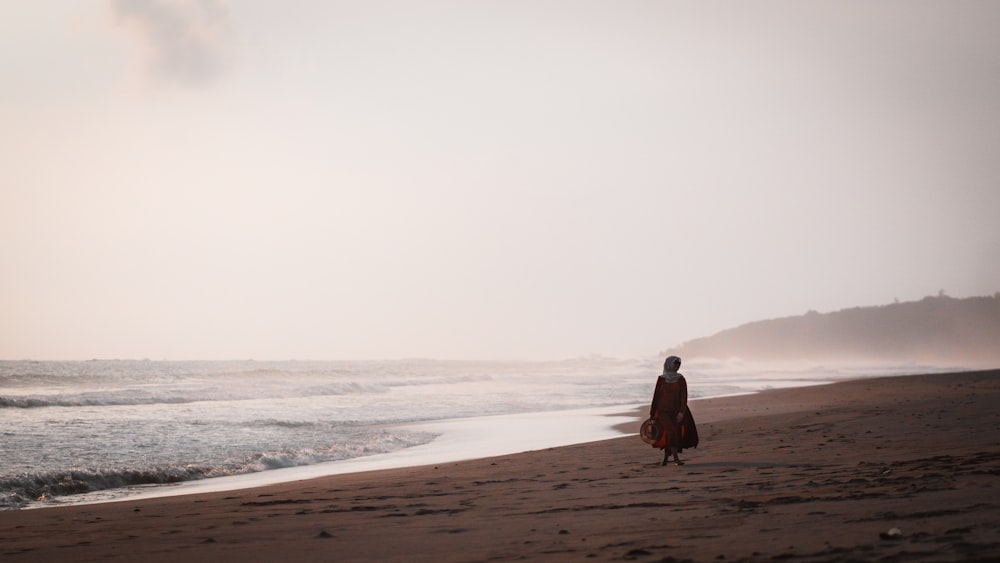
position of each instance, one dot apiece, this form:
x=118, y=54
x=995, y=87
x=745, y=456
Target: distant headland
x=935, y=329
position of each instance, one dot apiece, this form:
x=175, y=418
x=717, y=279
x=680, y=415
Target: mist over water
x=79, y=427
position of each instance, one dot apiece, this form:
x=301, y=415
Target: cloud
x=188, y=40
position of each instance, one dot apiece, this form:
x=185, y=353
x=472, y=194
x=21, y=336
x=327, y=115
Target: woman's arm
x=656, y=396
x=684, y=400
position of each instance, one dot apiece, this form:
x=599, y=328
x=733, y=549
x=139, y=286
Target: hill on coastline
x=933, y=330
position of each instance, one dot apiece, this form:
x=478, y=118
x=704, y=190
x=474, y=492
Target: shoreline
x=459, y=439
x=816, y=473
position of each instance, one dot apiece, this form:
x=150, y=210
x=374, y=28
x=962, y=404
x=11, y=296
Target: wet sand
x=825, y=473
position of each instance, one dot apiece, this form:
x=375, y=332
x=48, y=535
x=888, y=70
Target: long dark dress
x=670, y=398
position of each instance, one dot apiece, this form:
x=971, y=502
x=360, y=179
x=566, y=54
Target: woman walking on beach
x=671, y=413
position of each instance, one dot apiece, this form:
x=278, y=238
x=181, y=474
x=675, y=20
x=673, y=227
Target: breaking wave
x=47, y=487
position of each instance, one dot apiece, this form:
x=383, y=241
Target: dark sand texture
x=810, y=474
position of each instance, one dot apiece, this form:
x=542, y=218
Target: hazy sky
x=468, y=179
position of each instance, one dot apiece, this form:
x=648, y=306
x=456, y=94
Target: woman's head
x=671, y=364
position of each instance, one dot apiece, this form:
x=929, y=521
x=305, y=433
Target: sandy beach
x=889, y=469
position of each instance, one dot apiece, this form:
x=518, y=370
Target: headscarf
x=670, y=367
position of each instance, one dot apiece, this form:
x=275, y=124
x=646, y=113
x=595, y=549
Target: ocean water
x=68, y=429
